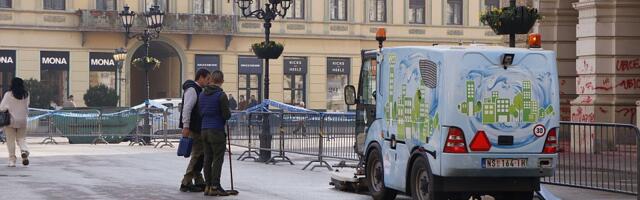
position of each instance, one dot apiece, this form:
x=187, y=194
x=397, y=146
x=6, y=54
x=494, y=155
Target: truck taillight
x=455, y=141
x=551, y=144
x=480, y=142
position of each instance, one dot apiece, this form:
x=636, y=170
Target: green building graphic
x=409, y=114
x=494, y=109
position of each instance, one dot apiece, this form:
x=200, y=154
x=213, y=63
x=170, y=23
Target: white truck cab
x=451, y=122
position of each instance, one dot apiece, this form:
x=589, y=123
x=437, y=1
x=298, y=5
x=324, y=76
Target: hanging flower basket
x=271, y=50
x=511, y=20
x=146, y=63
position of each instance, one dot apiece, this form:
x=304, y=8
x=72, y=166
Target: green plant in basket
x=270, y=50
x=146, y=63
x=511, y=20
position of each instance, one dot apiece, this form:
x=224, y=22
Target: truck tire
x=375, y=177
x=421, y=183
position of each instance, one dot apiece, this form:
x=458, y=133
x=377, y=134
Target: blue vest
x=211, y=112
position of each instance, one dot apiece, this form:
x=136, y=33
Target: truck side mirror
x=350, y=95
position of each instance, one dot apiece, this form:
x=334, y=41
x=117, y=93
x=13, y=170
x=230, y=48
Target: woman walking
x=16, y=101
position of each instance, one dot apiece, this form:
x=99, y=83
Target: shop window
x=5, y=4
x=106, y=5
x=249, y=81
x=295, y=72
x=58, y=80
x=54, y=4
x=338, y=70
x=377, y=10
x=338, y=10
x=203, y=6
x=107, y=78
x=454, y=12
x=416, y=11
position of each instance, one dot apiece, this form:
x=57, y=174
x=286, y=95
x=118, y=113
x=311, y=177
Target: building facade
x=598, y=48
x=68, y=44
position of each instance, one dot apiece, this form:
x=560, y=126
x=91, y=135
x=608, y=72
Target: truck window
x=368, y=78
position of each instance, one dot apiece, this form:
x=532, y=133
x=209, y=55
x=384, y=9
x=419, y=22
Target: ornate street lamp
x=119, y=56
x=154, y=19
x=270, y=12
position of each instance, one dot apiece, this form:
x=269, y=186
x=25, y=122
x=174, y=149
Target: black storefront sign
x=54, y=60
x=295, y=65
x=338, y=65
x=208, y=61
x=7, y=59
x=249, y=65
x=100, y=61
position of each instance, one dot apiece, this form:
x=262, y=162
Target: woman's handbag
x=5, y=118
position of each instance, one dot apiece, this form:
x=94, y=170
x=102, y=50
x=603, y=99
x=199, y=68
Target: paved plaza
x=119, y=171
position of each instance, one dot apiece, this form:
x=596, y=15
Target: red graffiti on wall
x=563, y=82
x=627, y=65
x=602, y=110
x=565, y=113
x=587, y=100
x=580, y=116
x=627, y=84
x=586, y=68
x=606, y=85
x=627, y=112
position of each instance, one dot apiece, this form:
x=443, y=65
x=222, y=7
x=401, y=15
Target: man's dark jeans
x=196, y=163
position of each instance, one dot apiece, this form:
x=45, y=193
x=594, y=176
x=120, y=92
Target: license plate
x=504, y=163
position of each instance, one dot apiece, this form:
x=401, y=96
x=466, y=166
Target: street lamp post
x=119, y=56
x=154, y=19
x=270, y=12
x=512, y=36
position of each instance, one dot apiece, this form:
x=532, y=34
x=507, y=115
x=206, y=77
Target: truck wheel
x=422, y=187
x=375, y=177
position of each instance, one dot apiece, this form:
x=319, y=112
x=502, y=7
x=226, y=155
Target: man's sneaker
x=25, y=158
x=218, y=191
x=184, y=188
x=196, y=188
x=12, y=163
x=207, y=191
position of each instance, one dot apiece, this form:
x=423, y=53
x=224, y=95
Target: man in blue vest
x=214, y=108
x=191, y=123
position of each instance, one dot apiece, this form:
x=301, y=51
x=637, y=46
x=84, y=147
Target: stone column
x=558, y=30
x=608, y=66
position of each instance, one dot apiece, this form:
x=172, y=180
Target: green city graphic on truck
x=497, y=109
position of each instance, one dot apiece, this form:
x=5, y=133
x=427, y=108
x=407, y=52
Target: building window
x=416, y=11
x=5, y=3
x=491, y=4
x=377, y=10
x=54, y=4
x=164, y=4
x=106, y=5
x=203, y=6
x=297, y=10
x=454, y=12
x=338, y=10
x=255, y=6
x=249, y=81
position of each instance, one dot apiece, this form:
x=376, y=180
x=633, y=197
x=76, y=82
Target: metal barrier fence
x=315, y=134
x=598, y=156
x=106, y=125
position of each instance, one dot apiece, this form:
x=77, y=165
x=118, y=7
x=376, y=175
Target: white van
x=451, y=122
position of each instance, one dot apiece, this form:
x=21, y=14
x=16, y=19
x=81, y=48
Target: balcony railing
x=109, y=21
